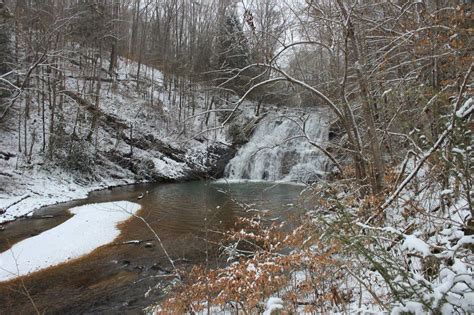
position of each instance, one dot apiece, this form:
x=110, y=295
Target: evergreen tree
x=231, y=52
x=5, y=38
x=5, y=48
x=232, y=46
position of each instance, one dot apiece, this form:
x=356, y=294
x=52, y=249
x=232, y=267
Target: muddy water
x=126, y=277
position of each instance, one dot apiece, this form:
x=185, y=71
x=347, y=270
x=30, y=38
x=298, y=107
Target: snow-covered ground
x=90, y=227
x=37, y=187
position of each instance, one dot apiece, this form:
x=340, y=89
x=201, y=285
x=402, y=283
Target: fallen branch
x=16, y=202
x=135, y=242
x=158, y=238
x=161, y=244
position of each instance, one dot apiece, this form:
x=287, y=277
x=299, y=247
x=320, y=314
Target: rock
x=288, y=161
x=220, y=155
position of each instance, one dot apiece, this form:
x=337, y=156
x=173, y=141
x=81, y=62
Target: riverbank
x=29, y=190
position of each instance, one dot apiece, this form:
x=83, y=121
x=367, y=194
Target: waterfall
x=277, y=150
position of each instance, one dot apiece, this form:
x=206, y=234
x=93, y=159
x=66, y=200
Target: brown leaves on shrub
x=288, y=263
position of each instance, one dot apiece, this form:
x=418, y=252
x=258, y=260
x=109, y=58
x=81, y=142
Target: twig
x=161, y=243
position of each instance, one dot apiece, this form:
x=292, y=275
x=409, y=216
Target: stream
x=124, y=277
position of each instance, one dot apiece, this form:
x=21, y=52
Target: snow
x=273, y=304
x=446, y=192
x=92, y=226
x=466, y=108
x=465, y=240
x=34, y=188
x=251, y=268
x=413, y=243
x=11, y=202
x=459, y=151
x=410, y=307
x=170, y=168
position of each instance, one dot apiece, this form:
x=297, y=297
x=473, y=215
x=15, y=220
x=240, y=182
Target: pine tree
x=232, y=46
x=231, y=52
x=5, y=39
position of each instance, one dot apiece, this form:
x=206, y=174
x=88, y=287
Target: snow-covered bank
x=91, y=226
x=39, y=188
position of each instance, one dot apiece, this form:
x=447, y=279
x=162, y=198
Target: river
x=126, y=277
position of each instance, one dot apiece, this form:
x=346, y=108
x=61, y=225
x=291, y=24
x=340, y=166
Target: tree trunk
x=95, y=115
x=376, y=161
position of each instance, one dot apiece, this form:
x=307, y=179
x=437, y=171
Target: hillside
x=139, y=138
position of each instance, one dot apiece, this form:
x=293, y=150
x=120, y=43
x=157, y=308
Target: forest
x=236, y=157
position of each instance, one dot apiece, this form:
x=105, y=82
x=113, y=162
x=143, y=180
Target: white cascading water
x=277, y=152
